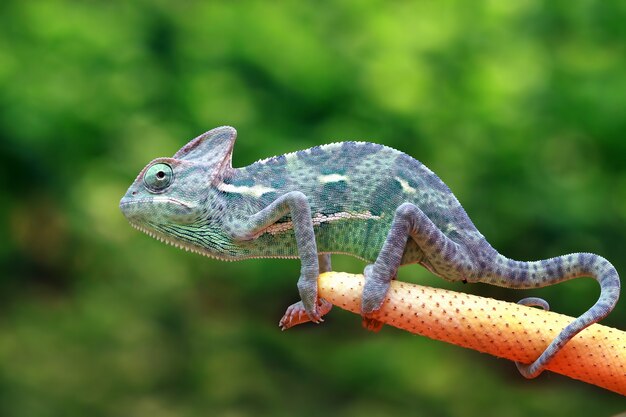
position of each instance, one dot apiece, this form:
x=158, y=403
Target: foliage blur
x=518, y=106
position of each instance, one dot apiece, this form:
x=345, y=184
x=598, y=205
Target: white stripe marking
x=255, y=190
x=325, y=179
x=318, y=219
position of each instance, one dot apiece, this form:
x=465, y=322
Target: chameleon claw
x=371, y=324
x=296, y=314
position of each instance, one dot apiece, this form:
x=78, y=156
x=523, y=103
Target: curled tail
x=509, y=273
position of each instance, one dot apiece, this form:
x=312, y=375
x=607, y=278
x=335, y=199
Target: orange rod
x=597, y=355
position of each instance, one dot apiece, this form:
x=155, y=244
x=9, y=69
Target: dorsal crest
x=213, y=148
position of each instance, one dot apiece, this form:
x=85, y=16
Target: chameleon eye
x=158, y=177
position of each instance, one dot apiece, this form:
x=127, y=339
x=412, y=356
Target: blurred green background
x=518, y=106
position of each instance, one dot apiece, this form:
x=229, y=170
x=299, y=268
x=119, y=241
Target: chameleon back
x=353, y=188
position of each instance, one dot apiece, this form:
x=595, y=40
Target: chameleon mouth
x=135, y=208
x=128, y=202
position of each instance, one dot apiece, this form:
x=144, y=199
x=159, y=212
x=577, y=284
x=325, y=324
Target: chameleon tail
x=535, y=302
x=518, y=274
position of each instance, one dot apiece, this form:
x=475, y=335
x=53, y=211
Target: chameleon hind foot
x=373, y=325
x=296, y=314
x=374, y=293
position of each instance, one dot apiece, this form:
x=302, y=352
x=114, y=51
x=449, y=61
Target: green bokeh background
x=519, y=106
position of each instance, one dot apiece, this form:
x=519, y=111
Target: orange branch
x=597, y=355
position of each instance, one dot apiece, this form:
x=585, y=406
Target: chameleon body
x=358, y=198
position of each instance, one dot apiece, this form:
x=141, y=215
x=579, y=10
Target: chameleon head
x=160, y=196
x=169, y=198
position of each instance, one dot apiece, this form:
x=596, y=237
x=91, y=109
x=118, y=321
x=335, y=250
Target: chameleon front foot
x=296, y=314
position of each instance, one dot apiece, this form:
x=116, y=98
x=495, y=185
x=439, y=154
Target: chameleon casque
x=357, y=198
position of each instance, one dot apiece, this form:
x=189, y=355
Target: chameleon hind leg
x=442, y=253
x=296, y=313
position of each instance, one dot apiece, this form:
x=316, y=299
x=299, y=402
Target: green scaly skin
x=355, y=198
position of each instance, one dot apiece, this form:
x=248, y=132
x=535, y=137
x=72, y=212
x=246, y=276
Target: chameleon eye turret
x=158, y=177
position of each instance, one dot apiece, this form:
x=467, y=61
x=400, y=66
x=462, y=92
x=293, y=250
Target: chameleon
x=356, y=198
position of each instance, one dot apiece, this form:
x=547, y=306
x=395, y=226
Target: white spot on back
x=405, y=186
x=254, y=191
x=325, y=179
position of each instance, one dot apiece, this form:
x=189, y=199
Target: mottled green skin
x=356, y=198
x=363, y=191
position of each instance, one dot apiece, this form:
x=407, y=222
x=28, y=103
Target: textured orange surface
x=597, y=355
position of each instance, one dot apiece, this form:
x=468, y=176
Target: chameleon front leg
x=443, y=254
x=296, y=313
x=324, y=263
x=297, y=205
